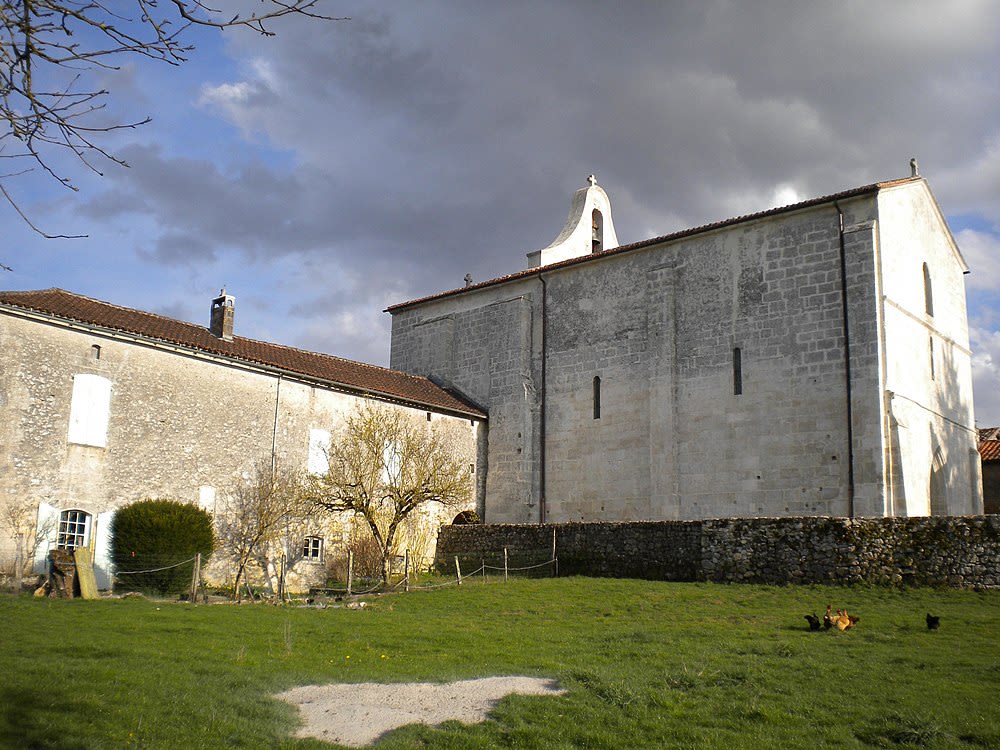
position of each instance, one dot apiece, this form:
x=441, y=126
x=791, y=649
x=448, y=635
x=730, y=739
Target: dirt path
x=358, y=714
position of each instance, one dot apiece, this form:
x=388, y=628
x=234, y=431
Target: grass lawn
x=646, y=665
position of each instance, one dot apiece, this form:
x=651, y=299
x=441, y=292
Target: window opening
x=930, y=349
x=596, y=231
x=74, y=529
x=96, y=350
x=928, y=292
x=737, y=371
x=312, y=548
x=597, y=397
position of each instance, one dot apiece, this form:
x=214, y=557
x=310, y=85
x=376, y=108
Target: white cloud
x=982, y=254
x=986, y=375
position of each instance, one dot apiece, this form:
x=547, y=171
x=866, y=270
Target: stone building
x=102, y=405
x=989, y=454
x=808, y=360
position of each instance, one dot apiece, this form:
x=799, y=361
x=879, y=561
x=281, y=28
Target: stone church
x=808, y=360
x=102, y=405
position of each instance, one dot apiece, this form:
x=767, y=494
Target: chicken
x=813, y=621
x=933, y=622
x=828, y=618
x=844, y=621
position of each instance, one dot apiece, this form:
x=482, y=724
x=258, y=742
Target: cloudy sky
x=340, y=167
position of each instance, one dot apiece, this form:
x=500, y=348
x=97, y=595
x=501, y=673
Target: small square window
x=312, y=548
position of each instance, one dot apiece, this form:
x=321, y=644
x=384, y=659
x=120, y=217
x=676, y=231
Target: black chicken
x=813, y=621
x=933, y=622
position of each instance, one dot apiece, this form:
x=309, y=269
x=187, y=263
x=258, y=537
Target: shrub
x=153, y=536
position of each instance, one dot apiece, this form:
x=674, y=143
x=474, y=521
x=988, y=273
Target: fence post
x=505, y=565
x=458, y=570
x=555, y=560
x=195, y=575
x=484, y=569
x=350, y=570
x=406, y=571
x=281, y=579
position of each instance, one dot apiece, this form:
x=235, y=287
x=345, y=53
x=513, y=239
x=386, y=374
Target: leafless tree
x=19, y=520
x=50, y=51
x=258, y=516
x=384, y=466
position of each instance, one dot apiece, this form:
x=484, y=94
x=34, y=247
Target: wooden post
x=505, y=565
x=484, y=569
x=281, y=579
x=555, y=560
x=195, y=575
x=406, y=570
x=458, y=570
x=350, y=570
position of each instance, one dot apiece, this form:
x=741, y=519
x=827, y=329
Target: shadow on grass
x=22, y=726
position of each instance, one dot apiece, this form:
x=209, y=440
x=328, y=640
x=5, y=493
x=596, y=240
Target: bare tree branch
x=47, y=47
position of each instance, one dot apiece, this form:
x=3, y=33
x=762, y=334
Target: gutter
x=847, y=362
x=541, y=420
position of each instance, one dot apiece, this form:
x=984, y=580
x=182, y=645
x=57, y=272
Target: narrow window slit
x=737, y=371
x=597, y=397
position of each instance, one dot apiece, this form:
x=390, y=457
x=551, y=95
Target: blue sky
x=337, y=168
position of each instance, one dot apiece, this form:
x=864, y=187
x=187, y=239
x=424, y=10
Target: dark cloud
x=383, y=158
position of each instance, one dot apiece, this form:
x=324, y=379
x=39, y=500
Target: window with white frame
x=89, y=410
x=74, y=529
x=319, y=451
x=312, y=548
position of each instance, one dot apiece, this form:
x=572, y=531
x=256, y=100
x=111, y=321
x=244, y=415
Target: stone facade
x=960, y=552
x=181, y=424
x=784, y=364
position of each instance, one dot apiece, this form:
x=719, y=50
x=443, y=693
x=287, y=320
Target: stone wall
x=180, y=426
x=955, y=551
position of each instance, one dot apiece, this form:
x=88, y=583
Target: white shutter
x=206, y=498
x=89, y=410
x=319, y=451
x=103, y=568
x=48, y=522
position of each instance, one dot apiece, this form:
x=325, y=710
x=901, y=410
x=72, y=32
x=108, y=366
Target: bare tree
x=51, y=49
x=19, y=520
x=257, y=516
x=385, y=465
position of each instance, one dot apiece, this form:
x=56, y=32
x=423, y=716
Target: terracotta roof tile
x=354, y=376
x=990, y=450
x=863, y=190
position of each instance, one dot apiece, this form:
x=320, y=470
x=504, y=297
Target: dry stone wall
x=953, y=551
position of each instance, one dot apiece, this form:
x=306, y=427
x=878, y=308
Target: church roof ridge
x=351, y=374
x=680, y=234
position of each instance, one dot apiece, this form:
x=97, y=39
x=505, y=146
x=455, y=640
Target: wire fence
x=406, y=574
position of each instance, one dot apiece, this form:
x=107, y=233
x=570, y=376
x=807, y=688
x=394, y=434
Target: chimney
x=223, y=311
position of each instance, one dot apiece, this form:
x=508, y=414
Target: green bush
x=150, y=537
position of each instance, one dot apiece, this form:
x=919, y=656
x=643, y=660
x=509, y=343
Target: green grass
x=646, y=665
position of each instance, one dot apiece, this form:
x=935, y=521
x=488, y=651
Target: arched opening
x=597, y=231
x=466, y=517
x=928, y=292
x=597, y=397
